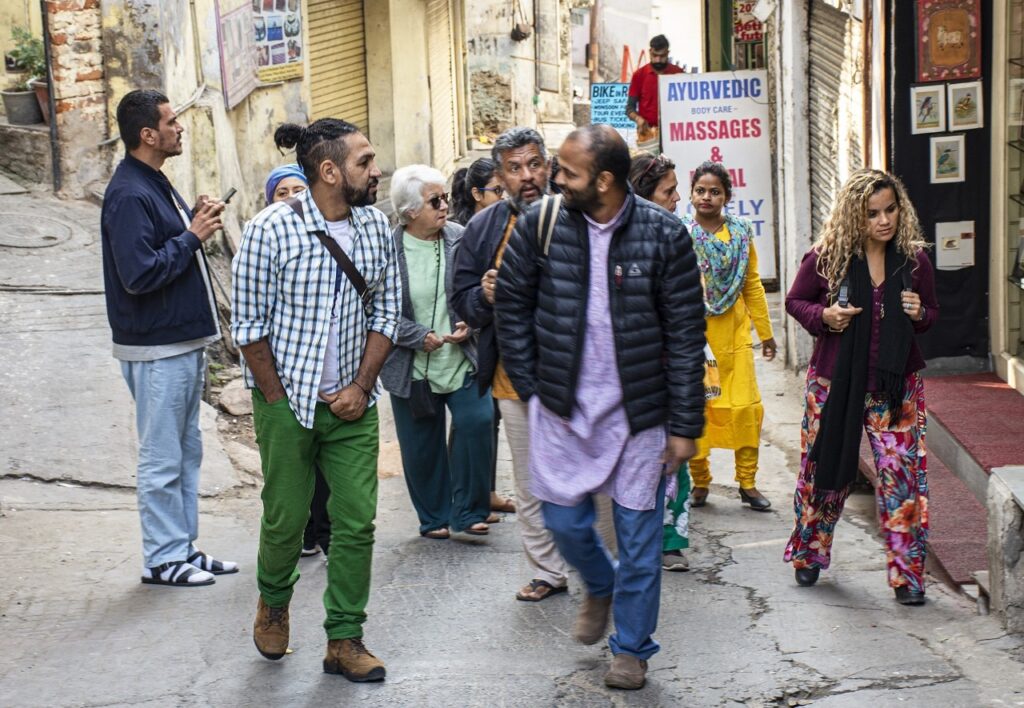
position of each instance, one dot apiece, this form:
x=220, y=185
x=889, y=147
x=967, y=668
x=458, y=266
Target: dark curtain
x=962, y=328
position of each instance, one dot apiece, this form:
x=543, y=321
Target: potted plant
x=20, y=100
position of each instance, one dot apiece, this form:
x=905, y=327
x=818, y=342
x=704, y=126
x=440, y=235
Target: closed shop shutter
x=337, y=61
x=826, y=54
x=441, y=65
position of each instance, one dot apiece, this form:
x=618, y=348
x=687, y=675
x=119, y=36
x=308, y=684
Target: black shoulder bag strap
x=339, y=255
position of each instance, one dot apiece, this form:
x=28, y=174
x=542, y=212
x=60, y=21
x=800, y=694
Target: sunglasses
x=498, y=191
x=435, y=202
x=660, y=159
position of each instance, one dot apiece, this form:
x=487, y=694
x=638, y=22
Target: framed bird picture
x=965, y=106
x=927, y=109
x=946, y=158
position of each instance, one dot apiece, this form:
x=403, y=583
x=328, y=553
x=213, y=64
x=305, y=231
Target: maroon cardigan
x=808, y=298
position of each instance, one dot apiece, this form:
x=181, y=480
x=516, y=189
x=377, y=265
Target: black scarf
x=836, y=448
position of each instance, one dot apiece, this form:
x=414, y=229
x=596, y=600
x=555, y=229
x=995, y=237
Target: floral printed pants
x=902, y=492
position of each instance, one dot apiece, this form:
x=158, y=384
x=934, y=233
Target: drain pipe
x=52, y=107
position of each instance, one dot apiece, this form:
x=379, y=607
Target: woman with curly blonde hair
x=866, y=280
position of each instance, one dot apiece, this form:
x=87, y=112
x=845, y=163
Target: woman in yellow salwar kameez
x=735, y=299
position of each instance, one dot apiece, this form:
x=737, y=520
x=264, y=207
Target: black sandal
x=540, y=585
x=183, y=574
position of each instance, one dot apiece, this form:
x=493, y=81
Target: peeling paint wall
x=502, y=73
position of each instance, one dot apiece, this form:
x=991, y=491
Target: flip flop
x=477, y=532
x=545, y=589
x=438, y=534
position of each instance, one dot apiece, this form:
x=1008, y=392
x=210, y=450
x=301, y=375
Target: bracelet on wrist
x=359, y=386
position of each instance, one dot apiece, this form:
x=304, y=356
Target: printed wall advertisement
x=237, y=51
x=278, y=35
x=608, y=106
x=745, y=25
x=723, y=116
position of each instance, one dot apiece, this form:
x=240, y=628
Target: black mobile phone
x=227, y=197
x=843, y=298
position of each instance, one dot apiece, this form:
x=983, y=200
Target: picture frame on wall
x=966, y=105
x=948, y=40
x=1015, y=102
x=927, y=109
x=946, y=159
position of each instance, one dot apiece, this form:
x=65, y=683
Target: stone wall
x=26, y=152
x=1006, y=545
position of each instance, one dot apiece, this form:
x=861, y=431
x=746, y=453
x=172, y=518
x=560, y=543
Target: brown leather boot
x=351, y=659
x=626, y=672
x=592, y=620
x=270, y=630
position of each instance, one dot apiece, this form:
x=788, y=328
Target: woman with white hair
x=433, y=368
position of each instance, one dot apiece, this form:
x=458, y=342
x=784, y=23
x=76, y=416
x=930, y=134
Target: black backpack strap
x=339, y=255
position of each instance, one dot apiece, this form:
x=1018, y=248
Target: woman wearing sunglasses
x=474, y=188
x=432, y=368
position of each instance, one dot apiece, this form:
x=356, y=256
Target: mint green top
x=448, y=365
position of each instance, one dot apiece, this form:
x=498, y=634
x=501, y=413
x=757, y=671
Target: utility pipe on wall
x=52, y=103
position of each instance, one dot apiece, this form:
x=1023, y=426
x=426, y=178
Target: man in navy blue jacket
x=163, y=315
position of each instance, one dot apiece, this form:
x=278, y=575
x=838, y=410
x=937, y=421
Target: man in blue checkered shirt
x=312, y=349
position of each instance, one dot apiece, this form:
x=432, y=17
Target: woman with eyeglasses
x=432, y=368
x=735, y=300
x=474, y=188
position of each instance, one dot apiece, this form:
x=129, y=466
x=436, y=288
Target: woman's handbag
x=423, y=402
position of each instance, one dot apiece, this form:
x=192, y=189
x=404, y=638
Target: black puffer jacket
x=657, y=315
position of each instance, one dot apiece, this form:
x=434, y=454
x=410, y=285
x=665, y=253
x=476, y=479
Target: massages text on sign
x=723, y=116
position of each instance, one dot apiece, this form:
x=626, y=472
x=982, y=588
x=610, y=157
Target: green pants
x=346, y=452
x=676, y=533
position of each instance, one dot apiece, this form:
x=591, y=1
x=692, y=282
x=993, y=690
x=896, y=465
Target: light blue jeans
x=167, y=393
x=635, y=581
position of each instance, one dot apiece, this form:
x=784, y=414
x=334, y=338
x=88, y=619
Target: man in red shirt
x=642, y=104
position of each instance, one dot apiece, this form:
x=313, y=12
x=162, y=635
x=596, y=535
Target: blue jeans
x=448, y=488
x=635, y=580
x=167, y=393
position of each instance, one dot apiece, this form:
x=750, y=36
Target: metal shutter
x=441, y=66
x=337, y=61
x=827, y=44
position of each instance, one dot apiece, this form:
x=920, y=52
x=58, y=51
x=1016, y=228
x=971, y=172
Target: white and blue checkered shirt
x=283, y=289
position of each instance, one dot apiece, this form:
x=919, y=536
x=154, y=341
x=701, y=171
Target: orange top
x=501, y=385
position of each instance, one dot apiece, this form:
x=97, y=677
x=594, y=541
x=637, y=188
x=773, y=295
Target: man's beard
x=521, y=204
x=582, y=200
x=360, y=197
x=659, y=65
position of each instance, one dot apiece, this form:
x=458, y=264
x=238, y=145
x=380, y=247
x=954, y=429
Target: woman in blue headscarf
x=284, y=182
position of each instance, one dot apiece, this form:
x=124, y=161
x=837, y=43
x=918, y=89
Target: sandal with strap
x=210, y=564
x=438, y=534
x=539, y=590
x=181, y=574
x=478, y=529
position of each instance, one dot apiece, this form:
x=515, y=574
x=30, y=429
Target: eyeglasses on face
x=498, y=191
x=435, y=201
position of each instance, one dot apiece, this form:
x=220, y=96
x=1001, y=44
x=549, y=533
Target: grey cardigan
x=396, y=376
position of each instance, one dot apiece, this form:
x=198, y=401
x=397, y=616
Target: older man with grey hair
x=523, y=170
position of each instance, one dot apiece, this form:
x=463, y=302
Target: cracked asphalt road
x=80, y=630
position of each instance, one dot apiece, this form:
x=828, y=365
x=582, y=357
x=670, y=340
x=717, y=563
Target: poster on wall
x=928, y=109
x=745, y=25
x=608, y=106
x=954, y=245
x=948, y=40
x=946, y=158
x=965, y=106
x=235, y=45
x=277, y=29
x=723, y=116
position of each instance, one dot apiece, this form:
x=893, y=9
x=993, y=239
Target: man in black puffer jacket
x=601, y=330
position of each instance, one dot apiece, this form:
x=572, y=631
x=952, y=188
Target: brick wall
x=79, y=91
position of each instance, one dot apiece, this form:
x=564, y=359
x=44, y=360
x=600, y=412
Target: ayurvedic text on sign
x=723, y=116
